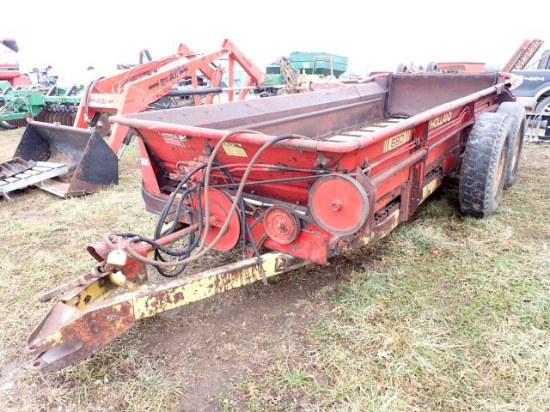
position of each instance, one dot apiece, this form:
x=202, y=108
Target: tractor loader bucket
x=92, y=165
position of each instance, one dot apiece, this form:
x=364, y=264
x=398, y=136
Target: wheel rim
x=516, y=148
x=500, y=173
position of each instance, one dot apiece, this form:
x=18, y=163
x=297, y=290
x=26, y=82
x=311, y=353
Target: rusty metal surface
x=281, y=224
x=148, y=303
x=314, y=114
x=14, y=166
x=410, y=94
x=327, y=113
x=69, y=334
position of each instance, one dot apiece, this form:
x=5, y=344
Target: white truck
x=534, y=94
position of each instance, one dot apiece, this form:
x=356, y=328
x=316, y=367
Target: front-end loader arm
x=75, y=141
x=255, y=76
x=137, y=88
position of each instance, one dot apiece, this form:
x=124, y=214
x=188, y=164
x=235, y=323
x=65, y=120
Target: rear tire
x=431, y=67
x=484, y=165
x=402, y=68
x=516, y=117
x=543, y=107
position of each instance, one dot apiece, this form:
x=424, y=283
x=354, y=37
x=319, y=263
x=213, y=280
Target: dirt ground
x=222, y=339
x=226, y=337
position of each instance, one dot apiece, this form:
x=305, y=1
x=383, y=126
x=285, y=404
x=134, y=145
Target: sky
x=72, y=35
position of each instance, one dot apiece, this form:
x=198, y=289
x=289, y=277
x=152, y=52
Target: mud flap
x=91, y=163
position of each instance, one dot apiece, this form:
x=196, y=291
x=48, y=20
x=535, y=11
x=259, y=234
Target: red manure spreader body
x=293, y=180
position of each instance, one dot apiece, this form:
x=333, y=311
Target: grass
x=446, y=313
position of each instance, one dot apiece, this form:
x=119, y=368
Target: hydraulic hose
x=202, y=248
x=87, y=100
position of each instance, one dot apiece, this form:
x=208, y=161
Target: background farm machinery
x=91, y=163
x=34, y=96
x=291, y=180
x=52, y=104
x=296, y=73
x=9, y=70
x=533, y=91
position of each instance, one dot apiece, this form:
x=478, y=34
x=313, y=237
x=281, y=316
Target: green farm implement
x=51, y=105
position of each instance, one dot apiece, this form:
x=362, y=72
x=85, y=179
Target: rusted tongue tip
x=59, y=317
x=58, y=357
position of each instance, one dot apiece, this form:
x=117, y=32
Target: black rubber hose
x=164, y=214
x=87, y=100
x=170, y=201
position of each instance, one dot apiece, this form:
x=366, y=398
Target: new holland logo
x=440, y=120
